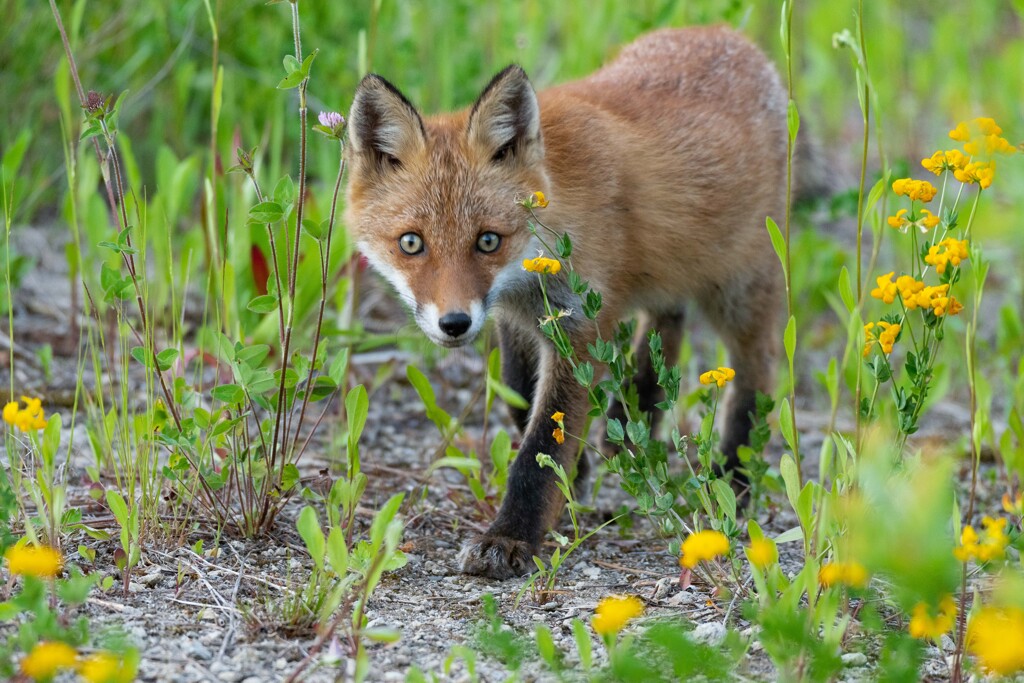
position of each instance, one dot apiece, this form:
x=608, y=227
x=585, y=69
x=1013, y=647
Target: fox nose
x=454, y=324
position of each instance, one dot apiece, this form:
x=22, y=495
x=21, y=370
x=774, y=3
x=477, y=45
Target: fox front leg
x=533, y=502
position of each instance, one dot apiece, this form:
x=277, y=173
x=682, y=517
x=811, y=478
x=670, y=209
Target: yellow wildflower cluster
x=614, y=612
x=914, y=189
x=996, y=637
x=925, y=626
x=762, y=553
x=541, y=264
x=981, y=137
x=559, y=434
x=924, y=223
x=28, y=560
x=852, y=574
x=719, y=376
x=27, y=419
x=47, y=658
x=703, y=545
x=980, y=172
x=950, y=160
x=885, y=336
x=948, y=251
x=915, y=294
x=990, y=545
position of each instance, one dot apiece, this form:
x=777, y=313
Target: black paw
x=497, y=557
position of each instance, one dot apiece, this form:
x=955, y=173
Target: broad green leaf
x=165, y=359
x=263, y=304
x=778, y=242
x=312, y=535
x=845, y=289
x=228, y=393
x=266, y=212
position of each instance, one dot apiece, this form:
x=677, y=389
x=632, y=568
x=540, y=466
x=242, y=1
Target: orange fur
x=661, y=166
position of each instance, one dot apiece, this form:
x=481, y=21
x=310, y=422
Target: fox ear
x=505, y=120
x=382, y=124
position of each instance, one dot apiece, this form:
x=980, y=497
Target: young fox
x=661, y=167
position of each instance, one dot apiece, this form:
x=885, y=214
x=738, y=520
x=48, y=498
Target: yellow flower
x=950, y=160
x=996, y=637
x=27, y=419
x=927, y=627
x=899, y=221
x=105, y=667
x=981, y=137
x=927, y=221
x=558, y=416
x=26, y=560
x=886, y=289
x=762, y=553
x=885, y=336
x=703, y=545
x=914, y=189
x=11, y=412
x=541, y=264
x=719, y=376
x=46, y=659
x=980, y=172
x=559, y=436
x=1015, y=505
x=948, y=251
x=989, y=546
x=538, y=200
x=852, y=574
x=613, y=613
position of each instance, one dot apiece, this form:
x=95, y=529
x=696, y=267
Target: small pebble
x=855, y=659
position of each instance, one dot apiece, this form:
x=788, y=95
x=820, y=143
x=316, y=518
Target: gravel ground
x=203, y=616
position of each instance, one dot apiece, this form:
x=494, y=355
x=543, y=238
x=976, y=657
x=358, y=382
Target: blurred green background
x=933, y=63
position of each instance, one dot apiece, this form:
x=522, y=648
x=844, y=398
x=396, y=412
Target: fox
x=661, y=167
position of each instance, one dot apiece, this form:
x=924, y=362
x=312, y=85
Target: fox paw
x=496, y=557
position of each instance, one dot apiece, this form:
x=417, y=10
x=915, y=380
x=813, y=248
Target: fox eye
x=411, y=243
x=488, y=242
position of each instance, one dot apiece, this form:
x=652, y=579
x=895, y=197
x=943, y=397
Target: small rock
x=663, y=587
x=550, y=605
x=947, y=643
x=150, y=580
x=712, y=633
x=134, y=587
x=199, y=651
x=855, y=659
x=229, y=676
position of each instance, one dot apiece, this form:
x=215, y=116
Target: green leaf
x=290, y=81
x=228, y=393
x=337, y=369
x=337, y=551
x=725, y=496
x=289, y=476
x=263, y=304
x=790, y=535
x=792, y=120
x=583, y=645
x=383, y=635
x=789, y=339
x=845, y=289
x=117, y=506
x=791, y=478
x=778, y=242
x=312, y=535
x=357, y=406
x=141, y=354
x=291, y=64
x=165, y=359
x=266, y=212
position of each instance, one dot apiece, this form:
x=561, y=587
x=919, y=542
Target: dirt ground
x=202, y=617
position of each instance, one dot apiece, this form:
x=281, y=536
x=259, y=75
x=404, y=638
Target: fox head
x=432, y=202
